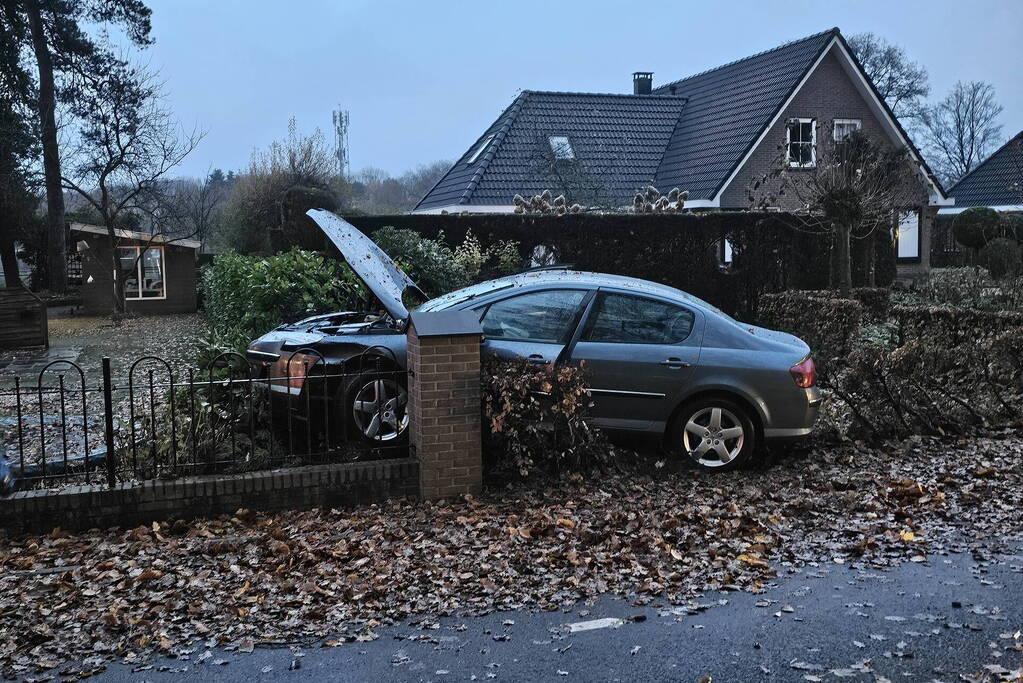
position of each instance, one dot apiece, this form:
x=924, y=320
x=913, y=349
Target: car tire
x=370, y=422
x=715, y=434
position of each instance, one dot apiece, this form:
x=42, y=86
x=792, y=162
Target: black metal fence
x=67, y=425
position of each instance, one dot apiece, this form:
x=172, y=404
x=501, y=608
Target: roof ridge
x=991, y=156
x=605, y=94
x=833, y=31
x=489, y=153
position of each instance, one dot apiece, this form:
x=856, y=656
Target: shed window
x=801, y=141
x=143, y=270
x=561, y=147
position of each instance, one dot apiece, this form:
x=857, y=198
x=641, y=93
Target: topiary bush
x=246, y=296
x=977, y=226
x=534, y=421
x=1001, y=257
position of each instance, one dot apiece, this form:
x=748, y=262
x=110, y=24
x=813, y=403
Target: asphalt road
x=919, y=622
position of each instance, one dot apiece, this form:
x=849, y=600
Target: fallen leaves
x=330, y=576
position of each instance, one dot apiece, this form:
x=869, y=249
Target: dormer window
x=561, y=147
x=801, y=143
x=480, y=149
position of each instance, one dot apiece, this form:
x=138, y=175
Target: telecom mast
x=340, y=119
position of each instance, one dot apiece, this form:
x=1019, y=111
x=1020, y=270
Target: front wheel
x=715, y=433
x=376, y=405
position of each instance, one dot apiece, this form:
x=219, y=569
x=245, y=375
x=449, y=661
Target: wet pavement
x=927, y=621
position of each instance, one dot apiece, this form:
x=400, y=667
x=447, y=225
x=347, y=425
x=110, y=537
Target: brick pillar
x=444, y=402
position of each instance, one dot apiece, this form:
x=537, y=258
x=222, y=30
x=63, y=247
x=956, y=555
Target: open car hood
x=374, y=267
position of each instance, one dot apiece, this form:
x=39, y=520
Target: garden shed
x=160, y=273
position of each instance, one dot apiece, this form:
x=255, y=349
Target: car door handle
x=537, y=359
x=675, y=363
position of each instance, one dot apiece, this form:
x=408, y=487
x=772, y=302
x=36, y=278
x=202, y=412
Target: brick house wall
x=180, y=283
x=826, y=95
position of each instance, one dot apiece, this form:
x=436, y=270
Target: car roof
x=550, y=276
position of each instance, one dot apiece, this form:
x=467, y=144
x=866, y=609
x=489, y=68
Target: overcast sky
x=422, y=79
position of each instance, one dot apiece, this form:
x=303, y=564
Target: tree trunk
x=115, y=269
x=8, y=255
x=843, y=258
x=56, y=257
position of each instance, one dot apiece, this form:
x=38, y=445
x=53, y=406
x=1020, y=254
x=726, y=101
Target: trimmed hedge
x=951, y=371
x=681, y=250
x=824, y=321
x=953, y=326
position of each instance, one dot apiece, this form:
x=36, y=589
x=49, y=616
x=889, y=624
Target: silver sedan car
x=658, y=360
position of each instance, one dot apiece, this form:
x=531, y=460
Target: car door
x=638, y=352
x=534, y=325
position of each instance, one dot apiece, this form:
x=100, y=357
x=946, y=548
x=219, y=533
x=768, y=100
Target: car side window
x=627, y=319
x=538, y=316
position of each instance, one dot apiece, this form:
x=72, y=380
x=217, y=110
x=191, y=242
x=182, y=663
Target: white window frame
x=727, y=253
x=858, y=123
x=138, y=271
x=813, y=142
x=905, y=217
x=480, y=149
x=561, y=147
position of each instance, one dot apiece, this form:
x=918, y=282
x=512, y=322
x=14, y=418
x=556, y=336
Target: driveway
x=932, y=621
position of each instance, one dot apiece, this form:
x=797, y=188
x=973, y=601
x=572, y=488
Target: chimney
x=642, y=82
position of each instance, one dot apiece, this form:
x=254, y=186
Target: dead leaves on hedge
x=335, y=576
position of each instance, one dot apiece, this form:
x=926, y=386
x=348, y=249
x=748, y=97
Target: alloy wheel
x=713, y=436
x=379, y=410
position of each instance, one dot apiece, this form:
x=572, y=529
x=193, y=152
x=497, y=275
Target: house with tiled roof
x=997, y=182
x=708, y=134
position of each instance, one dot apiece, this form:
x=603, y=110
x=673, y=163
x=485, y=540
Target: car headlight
x=288, y=372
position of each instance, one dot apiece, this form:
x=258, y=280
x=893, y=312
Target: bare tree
x=374, y=190
x=901, y=82
x=124, y=146
x=961, y=130
x=267, y=207
x=851, y=190
x=192, y=206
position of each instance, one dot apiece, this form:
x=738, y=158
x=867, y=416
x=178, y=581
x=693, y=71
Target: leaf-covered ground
x=333, y=576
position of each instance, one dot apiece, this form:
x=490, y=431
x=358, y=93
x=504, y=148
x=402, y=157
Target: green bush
x=430, y=263
x=247, y=295
x=1001, y=257
x=977, y=226
x=534, y=421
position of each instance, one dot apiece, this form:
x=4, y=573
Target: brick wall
x=126, y=505
x=444, y=404
x=828, y=94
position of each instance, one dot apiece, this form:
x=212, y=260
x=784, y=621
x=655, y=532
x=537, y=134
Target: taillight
x=804, y=373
